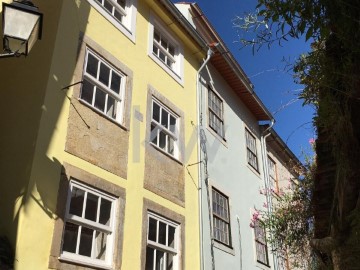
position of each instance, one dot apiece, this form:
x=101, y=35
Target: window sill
x=262, y=265
x=251, y=168
x=64, y=258
x=165, y=153
x=217, y=136
x=168, y=70
x=102, y=114
x=223, y=247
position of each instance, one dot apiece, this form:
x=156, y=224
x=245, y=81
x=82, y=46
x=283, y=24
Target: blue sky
x=265, y=69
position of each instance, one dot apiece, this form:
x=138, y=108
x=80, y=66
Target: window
x=251, y=150
x=103, y=87
x=162, y=250
x=272, y=174
x=165, y=50
x=221, y=218
x=88, y=234
x=216, y=113
x=260, y=242
x=164, y=129
x=121, y=13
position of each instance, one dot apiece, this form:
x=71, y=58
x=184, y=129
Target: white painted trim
x=178, y=72
x=128, y=28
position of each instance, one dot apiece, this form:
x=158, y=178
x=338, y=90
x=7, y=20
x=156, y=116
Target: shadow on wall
x=31, y=104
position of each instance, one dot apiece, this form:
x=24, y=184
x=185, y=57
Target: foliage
x=290, y=223
x=330, y=73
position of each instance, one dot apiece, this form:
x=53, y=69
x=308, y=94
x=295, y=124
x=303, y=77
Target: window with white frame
x=103, y=87
x=251, y=150
x=164, y=129
x=272, y=173
x=88, y=235
x=216, y=113
x=260, y=243
x=221, y=217
x=165, y=49
x=162, y=250
x=119, y=12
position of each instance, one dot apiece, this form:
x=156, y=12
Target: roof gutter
x=184, y=23
x=222, y=48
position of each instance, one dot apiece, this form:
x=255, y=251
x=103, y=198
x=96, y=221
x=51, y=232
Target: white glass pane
x=105, y=212
x=150, y=253
x=77, y=201
x=70, y=237
x=100, y=97
x=91, y=207
x=152, y=229
x=19, y=23
x=86, y=237
x=162, y=233
x=100, y=242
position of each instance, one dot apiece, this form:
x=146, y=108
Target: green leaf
x=309, y=33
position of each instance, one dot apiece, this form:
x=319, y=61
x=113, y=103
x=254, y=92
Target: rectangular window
x=251, y=150
x=216, y=113
x=103, y=87
x=260, y=242
x=165, y=49
x=115, y=8
x=162, y=250
x=121, y=13
x=272, y=174
x=221, y=218
x=88, y=226
x=164, y=129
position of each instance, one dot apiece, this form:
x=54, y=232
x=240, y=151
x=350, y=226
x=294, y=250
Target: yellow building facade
x=99, y=136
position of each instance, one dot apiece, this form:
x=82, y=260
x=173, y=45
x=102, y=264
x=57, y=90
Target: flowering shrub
x=290, y=223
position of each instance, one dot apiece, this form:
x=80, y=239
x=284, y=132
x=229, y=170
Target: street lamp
x=22, y=27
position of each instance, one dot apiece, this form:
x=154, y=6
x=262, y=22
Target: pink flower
x=311, y=141
x=265, y=204
x=252, y=225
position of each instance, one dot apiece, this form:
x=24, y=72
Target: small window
x=121, y=13
x=251, y=150
x=162, y=250
x=221, y=218
x=164, y=129
x=216, y=113
x=272, y=174
x=260, y=242
x=165, y=50
x=103, y=87
x=88, y=226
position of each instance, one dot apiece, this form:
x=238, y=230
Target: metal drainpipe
x=200, y=186
x=266, y=175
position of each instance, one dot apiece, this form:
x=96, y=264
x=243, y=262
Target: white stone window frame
x=155, y=133
x=177, y=71
x=96, y=226
x=212, y=112
x=166, y=249
x=251, y=150
x=128, y=23
x=119, y=98
x=225, y=220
